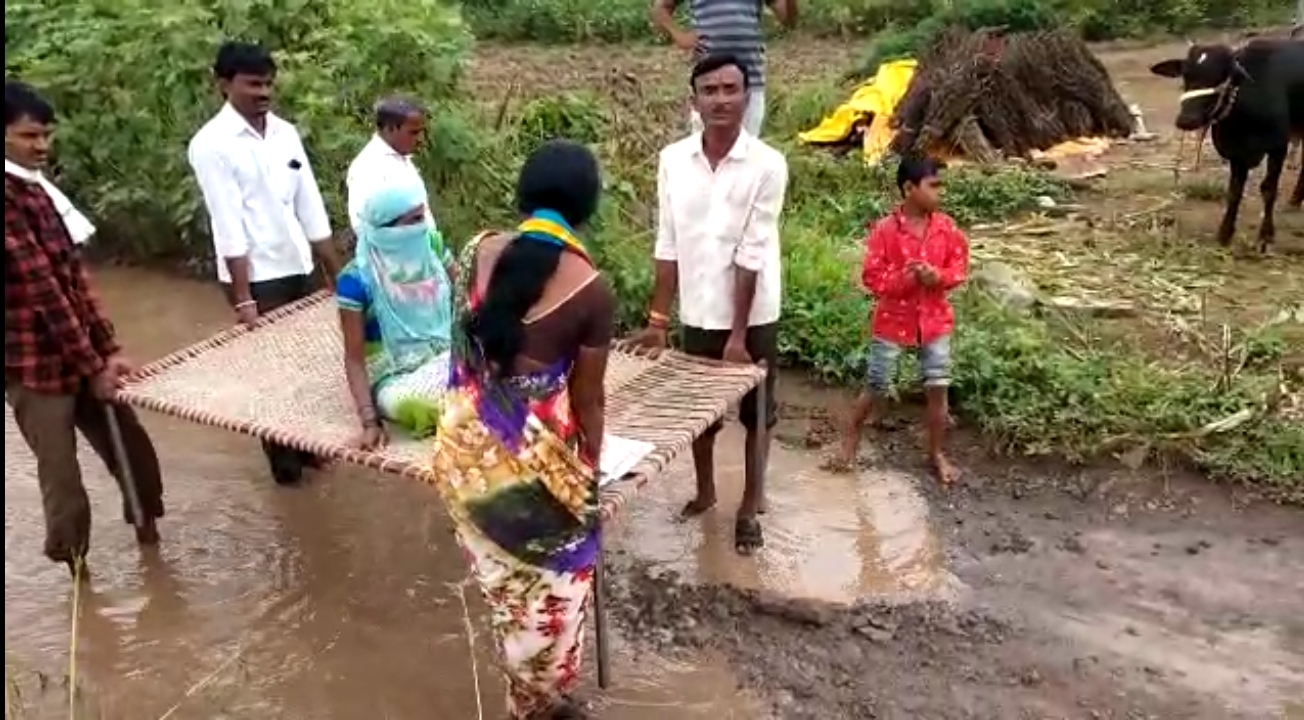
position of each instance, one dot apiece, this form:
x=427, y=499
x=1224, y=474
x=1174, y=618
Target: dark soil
x=1089, y=593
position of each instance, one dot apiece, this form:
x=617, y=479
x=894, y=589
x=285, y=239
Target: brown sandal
x=748, y=536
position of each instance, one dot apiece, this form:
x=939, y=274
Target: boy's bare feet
x=838, y=464
x=947, y=471
x=845, y=460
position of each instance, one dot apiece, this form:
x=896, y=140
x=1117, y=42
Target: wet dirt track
x=339, y=599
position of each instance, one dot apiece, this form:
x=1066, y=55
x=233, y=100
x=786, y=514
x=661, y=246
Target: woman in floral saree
x=521, y=427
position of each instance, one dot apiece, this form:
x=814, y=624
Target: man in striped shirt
x=729, y=27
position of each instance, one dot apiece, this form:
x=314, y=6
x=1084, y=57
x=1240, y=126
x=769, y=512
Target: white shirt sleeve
x=308, y=204
x=761, y=232
x=665, y=245
x=222, y=198
x=356, y=184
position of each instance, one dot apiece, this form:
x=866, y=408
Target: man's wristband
x=658, y=320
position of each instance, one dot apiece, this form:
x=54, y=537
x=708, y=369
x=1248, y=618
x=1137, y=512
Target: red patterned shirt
x=907, y=313
x=56, y=335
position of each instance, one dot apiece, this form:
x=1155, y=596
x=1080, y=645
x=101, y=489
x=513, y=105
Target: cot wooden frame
x=665, y=398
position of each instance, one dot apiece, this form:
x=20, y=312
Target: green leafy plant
x=132, y=82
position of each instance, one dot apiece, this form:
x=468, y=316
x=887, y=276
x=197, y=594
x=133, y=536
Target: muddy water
x=339, y=599
x=828, y=537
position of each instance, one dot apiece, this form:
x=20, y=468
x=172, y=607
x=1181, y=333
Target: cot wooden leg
x=600, y=615
x=124, y=466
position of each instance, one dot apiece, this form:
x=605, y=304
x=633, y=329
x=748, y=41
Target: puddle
x=828, y=536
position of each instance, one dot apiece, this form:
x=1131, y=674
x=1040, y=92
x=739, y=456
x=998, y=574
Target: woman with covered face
x=396, y=315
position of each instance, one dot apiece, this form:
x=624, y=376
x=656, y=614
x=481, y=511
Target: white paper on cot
x=619, y=456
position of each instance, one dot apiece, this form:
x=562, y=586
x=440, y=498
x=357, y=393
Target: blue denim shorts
x=934, y=364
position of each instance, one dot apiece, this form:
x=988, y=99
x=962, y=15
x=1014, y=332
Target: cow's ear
x=1168, y=68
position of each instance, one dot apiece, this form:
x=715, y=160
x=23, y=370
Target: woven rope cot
x=283, y=381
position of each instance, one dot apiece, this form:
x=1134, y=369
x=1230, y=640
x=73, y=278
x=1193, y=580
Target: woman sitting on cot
x=395, y=302
x=518, y=442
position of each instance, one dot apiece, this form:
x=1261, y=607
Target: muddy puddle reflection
x=827, y=536
x=339, y=599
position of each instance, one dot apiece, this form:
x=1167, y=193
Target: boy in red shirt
x=913, y=258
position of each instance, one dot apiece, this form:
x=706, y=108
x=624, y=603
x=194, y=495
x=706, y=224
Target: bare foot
x=568, y=709
x=845, y=460
x=837, y=464
x=147, y=533
x=79, y=570
x=565, y=708
x=947, y=471
x=696, y=507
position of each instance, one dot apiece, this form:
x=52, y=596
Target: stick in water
x=124, y=466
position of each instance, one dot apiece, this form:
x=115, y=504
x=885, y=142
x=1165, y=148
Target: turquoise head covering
x=406, y=280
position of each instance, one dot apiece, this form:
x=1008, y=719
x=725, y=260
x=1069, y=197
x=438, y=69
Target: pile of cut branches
x=987, y=95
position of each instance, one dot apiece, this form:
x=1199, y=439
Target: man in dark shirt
x=727, y=27
x=61, y=359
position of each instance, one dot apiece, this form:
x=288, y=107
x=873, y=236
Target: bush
x=132, y=82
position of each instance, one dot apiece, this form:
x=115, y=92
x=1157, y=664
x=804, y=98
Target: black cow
x=1252, y=99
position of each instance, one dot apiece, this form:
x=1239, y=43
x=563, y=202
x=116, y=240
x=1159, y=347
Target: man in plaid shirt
x=61, y=359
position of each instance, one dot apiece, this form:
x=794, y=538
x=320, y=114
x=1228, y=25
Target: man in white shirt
x=387, y=157
x=720, y=193
x=267, y=215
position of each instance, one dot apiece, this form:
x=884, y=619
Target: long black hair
x=561, y=176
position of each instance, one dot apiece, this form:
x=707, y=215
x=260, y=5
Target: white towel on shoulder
x=79, y=228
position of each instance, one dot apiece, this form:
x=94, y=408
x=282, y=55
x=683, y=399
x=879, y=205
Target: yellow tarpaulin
x=876, y=99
